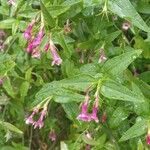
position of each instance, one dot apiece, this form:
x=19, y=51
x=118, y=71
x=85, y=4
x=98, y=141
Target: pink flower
x=52, y=136
x=2, y=34
x=84, y=115
x=28, y=31
x=95, y=108
x=29, y=120
x=148, y=139
x=38, y=38
x=11, y=2
x=39, y=124
x=126, y=26
x=88, y=147
x=33, y=43
x=102, y=56
x=94, y=114
x=36, y=54
x=30, y=47
x=46, y=47
x=56, y=58
x=1, y=82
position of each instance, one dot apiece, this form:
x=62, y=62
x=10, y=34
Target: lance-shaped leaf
x=113, y=90
x=10, y=127
x=71, y=109
x=125, y=9
x=48, y=18
x=65, y=91
x=7, y=24
x=136, y=130
x=6, y=64
x=119, y=115
x=119, y=63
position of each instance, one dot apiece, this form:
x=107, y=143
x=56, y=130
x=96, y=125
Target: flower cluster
x=39, y=123
x=84, y=115
x=35, y=41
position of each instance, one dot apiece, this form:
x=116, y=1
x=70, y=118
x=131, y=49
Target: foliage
x=98, y=48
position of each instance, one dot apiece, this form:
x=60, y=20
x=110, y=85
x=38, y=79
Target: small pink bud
x=94, y=114
x=102, y=57
x=56, y=58
x=39, y=124
x=2, y=34
x=38, y=38
x=36, y=54
x=27, y=33
x=11, y=2
x=52, y=136
x=29, y=120
x=95, y=108
x=88, y=147
x=84, y=115
x=126, y=25
x=135, y=73
x=46, y=47
x=1, y=82
x=148, y=139
x=30, y=47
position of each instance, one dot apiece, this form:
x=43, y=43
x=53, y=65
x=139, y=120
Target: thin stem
x=30, y=140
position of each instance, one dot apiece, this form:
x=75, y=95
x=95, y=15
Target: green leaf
x=119, y=63
x=66, y=96
x=142, y=44
x=28, y=74
x=64, y=45
x=145, y=76
x=143, y=7
x=24, y=89
x=7, y=24
x=8, y=87
x=118, y=116
x=10, y=127
x=112, y=36
x=113, y=90
x=145, y=88
x=64, y=91
x=140, y=145
x=101, y=140
x=136, y=130
x=48, y=18
x=71, y=109
x=55, y=11
x=75, y=8
x=6, y=64
x=3, y=99
x=125, y=9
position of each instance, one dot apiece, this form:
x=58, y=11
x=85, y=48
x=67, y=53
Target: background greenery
x=27, y=81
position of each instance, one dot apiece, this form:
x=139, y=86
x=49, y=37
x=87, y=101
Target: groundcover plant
x=74, y=74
